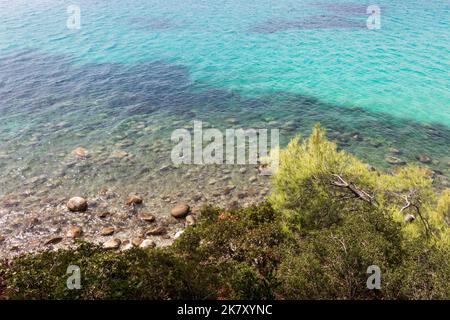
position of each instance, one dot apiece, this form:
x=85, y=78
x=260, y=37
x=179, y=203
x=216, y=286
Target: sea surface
x=136, y=70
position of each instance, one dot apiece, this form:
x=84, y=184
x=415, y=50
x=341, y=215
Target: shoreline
x=109, y=217
x=53, y=225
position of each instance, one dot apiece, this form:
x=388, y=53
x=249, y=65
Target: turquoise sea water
x=136, y=70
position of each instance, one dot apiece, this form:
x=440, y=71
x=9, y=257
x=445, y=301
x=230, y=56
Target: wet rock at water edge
x=225, y=178
x=77, y=204
x=127, y=245
x=180, y=210
x=156, y=231
x=147, y=243
x=136, y=242
x=147, y=217
x=424, y=158
x=134, y=199
x=112, y=244
x=190, y=220
x=107, y=231
x=74, y=232
x=53, y=240
x=395, y=161
x=80, y=153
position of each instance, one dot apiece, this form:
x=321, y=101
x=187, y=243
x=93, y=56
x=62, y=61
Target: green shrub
x=133, y=274
x=328, y=218
x=332, y=263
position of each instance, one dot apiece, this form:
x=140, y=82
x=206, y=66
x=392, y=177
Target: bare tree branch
x=358, y=193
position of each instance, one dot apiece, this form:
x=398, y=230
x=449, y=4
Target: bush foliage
x=328, y=218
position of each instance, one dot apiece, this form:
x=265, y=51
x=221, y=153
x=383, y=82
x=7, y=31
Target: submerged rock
x=103, y=214
x=77, y=204
x=74, y=232
x=395, y=151
x=134, y=199
x=423, y=158
x=180, y=210
x=375, y=143
x=80, y=152
x=147, y=217
x=228, y=189
x=118, y=154
x=395, y=161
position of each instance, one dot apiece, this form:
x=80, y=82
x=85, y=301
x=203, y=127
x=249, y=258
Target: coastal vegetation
x=327, y=219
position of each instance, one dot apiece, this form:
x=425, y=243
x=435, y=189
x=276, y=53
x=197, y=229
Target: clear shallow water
x=136, y=70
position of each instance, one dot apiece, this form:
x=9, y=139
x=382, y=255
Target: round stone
x=147, y=217
x=112, y=244
x=395, y=161
x=190, y=220
x=133, y=199
x=136, y=242
x=77, y=204
x=80, y=152
x=424, y=158
x=74, y=232
x=147, y=243
x=180, y=210
x=107, y=231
